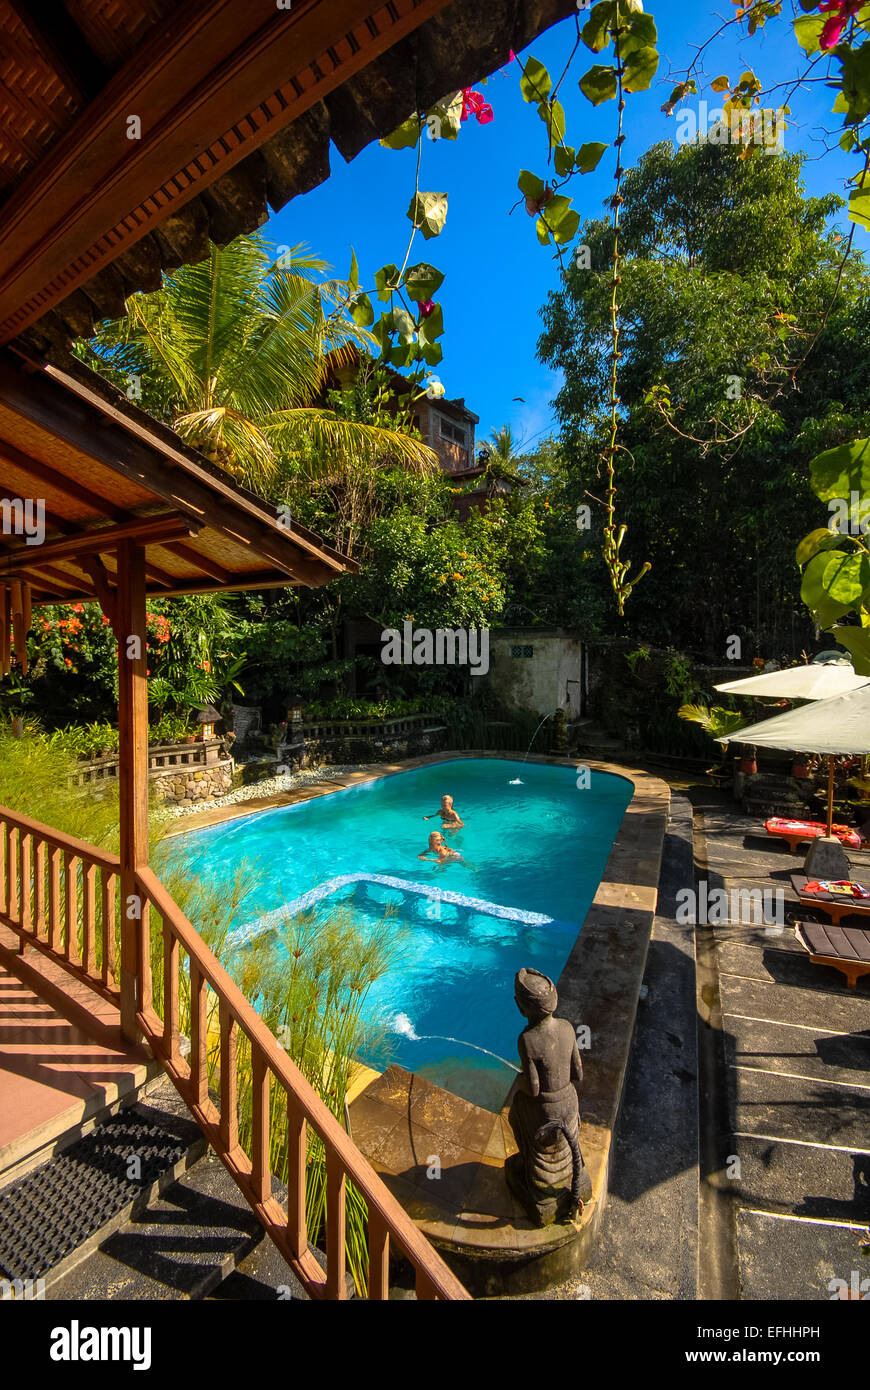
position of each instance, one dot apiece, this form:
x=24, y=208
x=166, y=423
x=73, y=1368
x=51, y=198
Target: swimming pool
x=533, y=854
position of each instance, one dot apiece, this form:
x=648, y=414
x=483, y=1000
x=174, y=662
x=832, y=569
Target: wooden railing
x=59, y=895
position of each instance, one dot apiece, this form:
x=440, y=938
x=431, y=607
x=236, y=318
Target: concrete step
x=181, y=1246
x=197, y=1239
x=55, y=1216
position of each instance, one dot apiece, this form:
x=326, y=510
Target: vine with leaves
x=407, y=337
x=633, y=35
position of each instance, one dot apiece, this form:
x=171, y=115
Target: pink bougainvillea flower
x=485, y=114
x=512, y=57
x=426, y=307
x=471, y=102
x=840, y=11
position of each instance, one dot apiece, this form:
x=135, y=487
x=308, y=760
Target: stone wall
x=537, y=670
x=186, y=785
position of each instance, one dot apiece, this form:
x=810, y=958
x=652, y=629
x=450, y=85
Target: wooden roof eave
x=82, y=410
x=239, y=114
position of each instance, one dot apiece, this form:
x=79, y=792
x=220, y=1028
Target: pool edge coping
x=599, y=988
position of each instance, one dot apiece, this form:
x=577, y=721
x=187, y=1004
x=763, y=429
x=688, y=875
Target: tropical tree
x=742, y=353
x=500, y=460
x=233, y=354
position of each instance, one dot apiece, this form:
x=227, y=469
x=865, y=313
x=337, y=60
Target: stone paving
x=782, y=1085
x=787, y=1113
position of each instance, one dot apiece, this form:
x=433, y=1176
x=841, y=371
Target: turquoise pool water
x=533, y=854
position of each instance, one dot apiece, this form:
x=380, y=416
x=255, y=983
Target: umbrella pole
x=830, y=794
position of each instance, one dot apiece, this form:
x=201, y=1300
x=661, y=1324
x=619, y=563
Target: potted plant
x=749, y=761
x=716, y=721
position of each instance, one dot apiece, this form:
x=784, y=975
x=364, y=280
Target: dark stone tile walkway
x=793, y=1069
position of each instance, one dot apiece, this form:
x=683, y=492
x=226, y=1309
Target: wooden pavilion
x=133, y=132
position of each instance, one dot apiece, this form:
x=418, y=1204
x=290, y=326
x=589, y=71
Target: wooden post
x=831, y=795
x=132, y=767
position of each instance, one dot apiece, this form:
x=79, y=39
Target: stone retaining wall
x=187, y=785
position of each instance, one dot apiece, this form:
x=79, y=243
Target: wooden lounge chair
x=847, y=949
x=833, y=905
x=798, y=832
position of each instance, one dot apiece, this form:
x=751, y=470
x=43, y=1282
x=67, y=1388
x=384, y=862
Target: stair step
x=198, y=1240
x=182, y=1246
x=55, y=1215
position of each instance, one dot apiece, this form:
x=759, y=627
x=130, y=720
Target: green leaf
x=859, y=202
x=386, y=280
x=856, y=640
x=530, y=184
x=807, y=31
x=567, y=229
x=401, y=356
x=428, y=211
x=422, y=281
x=820, y=539
x=404, y=136
x=432, y=353
x=353, y=277
x=535, y=83
x=595, y=33
x=835, y=581
x=563, y=160
x=640, y=69
x=447, y=115
x=554, y=118
x=543, y=232
x=362, y=312
x=598, y=84
x=589, y=156
x=381, y=333
x=856, y=80
x=404, y=325
x=559, y=218
x=431, y=327
x=841, y=471
x=641, y=34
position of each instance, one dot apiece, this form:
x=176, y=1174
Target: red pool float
x=796, y=832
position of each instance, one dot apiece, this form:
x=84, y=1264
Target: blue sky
x=496, y=275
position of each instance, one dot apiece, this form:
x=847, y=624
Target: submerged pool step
x=383, y=889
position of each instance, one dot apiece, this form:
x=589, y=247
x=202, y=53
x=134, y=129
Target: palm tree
x=714, y=720
x=232, y=353
x=501, y=443
x=500, y=461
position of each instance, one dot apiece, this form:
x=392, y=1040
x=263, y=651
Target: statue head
x=535, y=995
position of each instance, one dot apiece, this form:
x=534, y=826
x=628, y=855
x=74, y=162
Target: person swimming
x=443, y=853
x=450, y=819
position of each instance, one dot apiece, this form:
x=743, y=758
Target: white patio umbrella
x=813, y=682
x=834, y=727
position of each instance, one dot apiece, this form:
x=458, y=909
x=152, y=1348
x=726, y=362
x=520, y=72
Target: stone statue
x=548, y=1174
